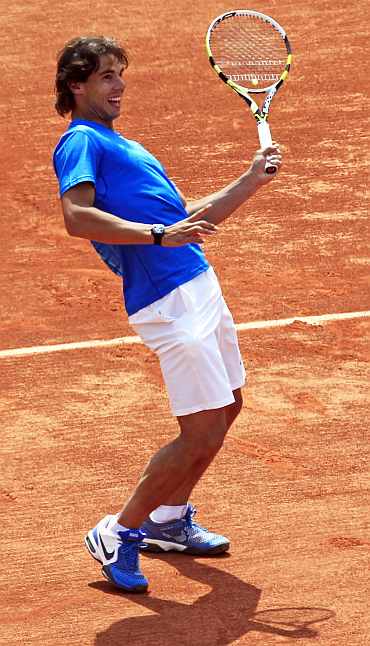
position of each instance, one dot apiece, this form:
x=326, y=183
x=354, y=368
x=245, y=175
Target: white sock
x=115, y=527
x=165, y=513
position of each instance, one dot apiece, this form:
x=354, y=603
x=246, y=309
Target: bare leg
x=200, y=439
x=182, y=493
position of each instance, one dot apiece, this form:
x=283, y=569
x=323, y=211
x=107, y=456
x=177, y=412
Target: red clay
x=290, y=486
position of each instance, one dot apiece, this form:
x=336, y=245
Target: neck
x=91, y=116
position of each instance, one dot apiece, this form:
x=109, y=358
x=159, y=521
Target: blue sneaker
x=118, y=554
x=182, y=535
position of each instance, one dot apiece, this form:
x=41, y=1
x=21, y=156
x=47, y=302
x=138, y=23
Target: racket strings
x=293, y=617
x=249, y=51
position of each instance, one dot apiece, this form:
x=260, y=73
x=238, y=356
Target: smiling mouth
x=116, y=101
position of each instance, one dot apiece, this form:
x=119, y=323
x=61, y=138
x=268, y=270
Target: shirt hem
x=172, y=284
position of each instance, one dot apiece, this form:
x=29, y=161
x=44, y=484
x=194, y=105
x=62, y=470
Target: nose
x=120, y=84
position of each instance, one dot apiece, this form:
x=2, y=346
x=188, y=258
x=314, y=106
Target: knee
x=204, y=442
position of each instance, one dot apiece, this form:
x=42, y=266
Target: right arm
x=83, y=220
x=225, y=201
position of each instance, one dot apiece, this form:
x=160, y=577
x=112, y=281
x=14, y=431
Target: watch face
x=158, y=231
x=158, y=228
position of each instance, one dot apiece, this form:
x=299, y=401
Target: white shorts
x=193, y=333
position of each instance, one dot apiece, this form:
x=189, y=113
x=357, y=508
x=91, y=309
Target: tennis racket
x=251, y=53
x=292, y=621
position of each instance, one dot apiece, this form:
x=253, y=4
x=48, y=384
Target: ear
x=76, y=87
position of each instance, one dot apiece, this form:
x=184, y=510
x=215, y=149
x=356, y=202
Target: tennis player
x=117, y=195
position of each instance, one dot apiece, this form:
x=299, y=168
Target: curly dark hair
x=77, y=60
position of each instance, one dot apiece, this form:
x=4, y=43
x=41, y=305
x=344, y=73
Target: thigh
x=229, y=348
x=232, y=411
x=182, y=330
x=195, y=375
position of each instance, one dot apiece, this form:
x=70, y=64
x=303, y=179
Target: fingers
x=207, y=227
x=271, y=159
x=186, y=232
x=270, y=150
x=273, y=156
x=198, y=232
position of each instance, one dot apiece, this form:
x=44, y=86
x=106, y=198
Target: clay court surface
x=290, y=487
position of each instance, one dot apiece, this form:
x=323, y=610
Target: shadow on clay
x=220, y=617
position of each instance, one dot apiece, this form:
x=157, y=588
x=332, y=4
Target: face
x=99, y=98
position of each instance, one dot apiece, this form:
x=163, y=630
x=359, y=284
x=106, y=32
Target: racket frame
x=260, y=113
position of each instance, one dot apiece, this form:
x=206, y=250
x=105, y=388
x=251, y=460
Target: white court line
x=129, y=340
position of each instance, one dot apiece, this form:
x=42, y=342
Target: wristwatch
x=158, y=231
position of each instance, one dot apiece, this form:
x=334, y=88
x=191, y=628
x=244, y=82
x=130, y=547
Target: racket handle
x=264, y=135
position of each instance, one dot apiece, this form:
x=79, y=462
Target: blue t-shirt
x=131, y=184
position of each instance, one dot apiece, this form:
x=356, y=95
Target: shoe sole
x=162, y=546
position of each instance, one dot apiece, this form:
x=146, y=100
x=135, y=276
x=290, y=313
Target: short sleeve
x=76, y=160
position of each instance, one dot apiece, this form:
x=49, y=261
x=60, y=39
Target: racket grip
x=264, y=136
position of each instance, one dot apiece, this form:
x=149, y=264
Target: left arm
x=224, y=202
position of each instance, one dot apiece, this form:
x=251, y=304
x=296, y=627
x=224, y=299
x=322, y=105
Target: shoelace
x=189, y=519
x=129, y=551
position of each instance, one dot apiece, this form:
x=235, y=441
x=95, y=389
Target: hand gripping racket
x=251, y=53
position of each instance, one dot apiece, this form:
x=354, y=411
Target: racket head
x=294, y=622
x=298, y=617
x=249, y=50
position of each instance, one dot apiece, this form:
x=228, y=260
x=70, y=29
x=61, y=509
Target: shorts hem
x=240, y=384
x=202, y=406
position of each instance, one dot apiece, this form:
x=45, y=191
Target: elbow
x=71, y=225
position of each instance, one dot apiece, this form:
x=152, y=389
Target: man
x=116, y=194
